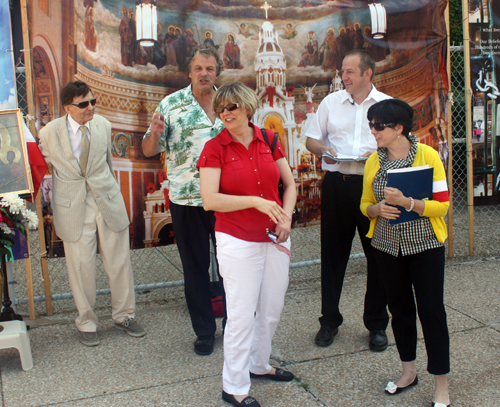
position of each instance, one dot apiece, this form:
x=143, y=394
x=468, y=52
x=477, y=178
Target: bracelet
x=412, y=203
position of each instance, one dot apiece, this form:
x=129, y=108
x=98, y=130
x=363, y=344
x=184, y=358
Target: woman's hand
x=384, y=210
x=394, y=196
x=272, y=209
x=283, y=230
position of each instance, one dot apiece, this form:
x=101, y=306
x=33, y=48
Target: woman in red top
x=239, y=181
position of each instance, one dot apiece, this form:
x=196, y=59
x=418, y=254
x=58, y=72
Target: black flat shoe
x=325, y=336
x=204, y=347
x=280, y=376
x=440, y=405
x=246, y=402
x=391, y=389
x=378, y=340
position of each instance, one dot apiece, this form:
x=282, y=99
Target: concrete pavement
x=162, y=369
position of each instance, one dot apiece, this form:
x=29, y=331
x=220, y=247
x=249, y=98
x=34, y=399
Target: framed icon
x=15, y=174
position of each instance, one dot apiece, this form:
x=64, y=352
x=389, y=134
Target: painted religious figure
x=179, y=44
x=310, y=56
x=329, y=52
x=90, y=32
x=126, y=38
x=13, y=159
x=357, y=40
x=231, y=54
x=344, y=42
x=190, y=41
x=245, y=31
x=209, y=42
x=168, y=46
x=289, y=32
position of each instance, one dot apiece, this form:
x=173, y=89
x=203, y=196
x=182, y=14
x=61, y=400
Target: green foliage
x=305, y=386
x=456, y=27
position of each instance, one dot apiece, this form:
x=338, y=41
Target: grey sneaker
x=131, y=326
x=89, y=338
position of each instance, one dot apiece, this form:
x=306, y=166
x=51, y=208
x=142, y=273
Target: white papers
x=343, y=157
x=409, y=169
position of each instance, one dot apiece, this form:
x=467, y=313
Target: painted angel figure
x=308, y=91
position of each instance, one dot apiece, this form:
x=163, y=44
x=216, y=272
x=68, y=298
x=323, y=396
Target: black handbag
x=281, y=190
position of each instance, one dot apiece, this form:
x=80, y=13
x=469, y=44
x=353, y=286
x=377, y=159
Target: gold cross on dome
x=266, y=7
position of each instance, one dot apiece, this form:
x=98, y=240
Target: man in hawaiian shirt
x=183, y=122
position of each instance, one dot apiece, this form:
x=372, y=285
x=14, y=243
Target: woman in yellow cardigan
x=411, y=255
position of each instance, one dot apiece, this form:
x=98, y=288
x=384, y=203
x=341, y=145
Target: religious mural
x=289, y=51
x=7, y=76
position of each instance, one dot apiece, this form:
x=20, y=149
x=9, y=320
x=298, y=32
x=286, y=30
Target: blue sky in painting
x=7, y=81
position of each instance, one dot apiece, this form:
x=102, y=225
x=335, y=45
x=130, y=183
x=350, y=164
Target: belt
x=346, y=177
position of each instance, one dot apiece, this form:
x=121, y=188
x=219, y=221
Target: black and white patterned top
x=409, y=237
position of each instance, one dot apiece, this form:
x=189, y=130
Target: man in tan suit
x=89, y=210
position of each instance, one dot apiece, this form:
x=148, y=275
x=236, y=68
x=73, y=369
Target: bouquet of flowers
x=14, y=216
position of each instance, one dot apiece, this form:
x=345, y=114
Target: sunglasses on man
x=229, y=107
x=83, y=105
x=379, y=126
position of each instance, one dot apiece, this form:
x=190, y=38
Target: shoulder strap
x=264, y=134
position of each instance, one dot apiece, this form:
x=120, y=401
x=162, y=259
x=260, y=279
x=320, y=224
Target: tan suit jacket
x=69, y=186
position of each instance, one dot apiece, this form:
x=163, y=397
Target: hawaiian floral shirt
x=187, y=129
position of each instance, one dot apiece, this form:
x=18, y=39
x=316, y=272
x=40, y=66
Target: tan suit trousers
x=81, y=263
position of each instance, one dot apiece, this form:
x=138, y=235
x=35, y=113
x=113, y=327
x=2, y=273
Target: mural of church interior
x=289, y=51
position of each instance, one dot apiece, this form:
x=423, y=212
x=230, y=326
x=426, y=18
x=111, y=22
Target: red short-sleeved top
x=251, y=172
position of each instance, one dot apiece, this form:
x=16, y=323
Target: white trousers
x=255, y=279
x=81, y=263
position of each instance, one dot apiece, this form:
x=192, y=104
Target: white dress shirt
x=75, y=136
x=342, y=124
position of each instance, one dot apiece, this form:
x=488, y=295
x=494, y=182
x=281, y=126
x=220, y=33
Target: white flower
x=31, y=218
x=6, y=229
x=14, y=203
x=391, y=387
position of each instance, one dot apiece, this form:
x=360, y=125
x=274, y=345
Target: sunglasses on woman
x=229, y=107
x=83, y=105
x=379, y=126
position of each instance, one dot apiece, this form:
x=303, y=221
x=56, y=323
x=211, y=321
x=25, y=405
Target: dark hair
x=73, y=90
x=206, y=51
x=366, y=61
x=392, y=111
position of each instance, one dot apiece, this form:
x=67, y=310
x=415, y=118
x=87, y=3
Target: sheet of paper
x=343, y=157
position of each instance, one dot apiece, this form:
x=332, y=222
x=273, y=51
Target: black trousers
x=422, y=274
x=340, y=217
x=192, y=228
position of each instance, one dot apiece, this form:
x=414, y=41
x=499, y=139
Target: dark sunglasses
x=83, y=105
x=379, y=126
x=229, y=107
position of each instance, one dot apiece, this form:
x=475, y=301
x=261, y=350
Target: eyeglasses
x=379, y=126
x=83, y=105
x=229, y=107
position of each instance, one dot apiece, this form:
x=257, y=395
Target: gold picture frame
x=15, y=173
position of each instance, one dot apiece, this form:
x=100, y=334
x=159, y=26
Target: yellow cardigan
x=434, y=210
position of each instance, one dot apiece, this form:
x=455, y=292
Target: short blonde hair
x=238, y=93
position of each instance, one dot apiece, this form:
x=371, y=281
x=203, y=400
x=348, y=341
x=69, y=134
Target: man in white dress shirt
x=341, y=127
x=89, y=210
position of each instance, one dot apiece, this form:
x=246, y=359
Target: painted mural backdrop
x=289, y=51
x=484, y=32
x=7, y=78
